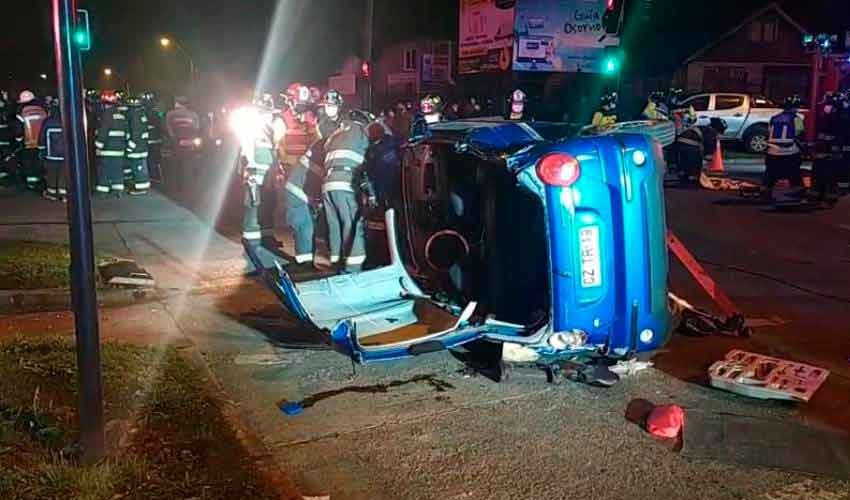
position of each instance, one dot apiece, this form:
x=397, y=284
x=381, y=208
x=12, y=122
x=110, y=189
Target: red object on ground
x=665, y=421
x=716, y=166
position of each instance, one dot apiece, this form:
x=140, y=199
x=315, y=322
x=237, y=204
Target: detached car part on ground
x=554, y=248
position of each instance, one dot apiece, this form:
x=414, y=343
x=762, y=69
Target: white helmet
x=25, y=97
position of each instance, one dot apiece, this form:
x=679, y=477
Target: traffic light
x=612, y=19
x=365, y=69
x=82, y=31
x=612, y=61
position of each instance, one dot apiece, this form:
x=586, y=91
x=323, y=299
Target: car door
x=733, y=108
x=380, y=314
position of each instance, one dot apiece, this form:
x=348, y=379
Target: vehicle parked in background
x=747, y=116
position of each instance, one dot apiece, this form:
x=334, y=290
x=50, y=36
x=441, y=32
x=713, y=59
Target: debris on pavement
x=761, y=442
x=665, y=421
x=630, y=367
x=126, y=273
x=516, y=353
x=264, y=359
x=695, y=321
x=763, y=377
x=292, y=408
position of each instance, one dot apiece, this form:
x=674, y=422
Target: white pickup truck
x=746, y=115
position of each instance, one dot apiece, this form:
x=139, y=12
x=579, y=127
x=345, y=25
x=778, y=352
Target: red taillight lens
x=558, y=169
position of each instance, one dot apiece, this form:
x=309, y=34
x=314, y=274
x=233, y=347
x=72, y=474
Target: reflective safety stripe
x=304, y=257
x=51, y=190
x=99, y=144
x=252, y=235
x=137, y=155
x=337, y=186
x=117, y=133
x=689, y=142
x=117, y=187
x=54, y=158
x=128, y=171
x=142, y=185
x=101, y=189
x=297, y=192
x=33, y=178
x=360, y=259
x=334, y=259
x=131, y=144
x=115, y=154
x=344, y=154
x=119, y=116
x=145, y=135
x=62, y=191
x=3, y=175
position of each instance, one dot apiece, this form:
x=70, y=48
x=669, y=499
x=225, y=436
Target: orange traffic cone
x=716, y=166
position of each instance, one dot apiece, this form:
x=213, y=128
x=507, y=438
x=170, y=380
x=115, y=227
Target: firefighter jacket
x=138, y=133
x=691, y=137
x=345, y=152
x=304, y=179
x=383, y=161
x=52, y=139
x=300, y=133
x=653, y=111
x=5, y=130
x=783, y=131
x=31, y=118
x=154, y=125
x=327, y=127
x=110, y=140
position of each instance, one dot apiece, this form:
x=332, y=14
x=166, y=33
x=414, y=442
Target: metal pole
x=83, y=293
x=367, y=49
x=814, y=91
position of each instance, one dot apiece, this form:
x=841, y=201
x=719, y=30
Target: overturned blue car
x=553, y=249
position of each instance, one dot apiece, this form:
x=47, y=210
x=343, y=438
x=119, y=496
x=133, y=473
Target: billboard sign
x=560, y=35
x=486, y=35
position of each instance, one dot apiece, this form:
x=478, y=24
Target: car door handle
x=703, y=117
x=738, y=115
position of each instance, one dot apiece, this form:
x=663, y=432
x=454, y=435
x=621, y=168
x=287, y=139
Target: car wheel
x=755, y=139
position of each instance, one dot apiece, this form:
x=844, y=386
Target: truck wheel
x=755, y=139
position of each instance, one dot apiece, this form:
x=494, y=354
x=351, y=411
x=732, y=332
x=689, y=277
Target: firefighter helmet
x=430, y=104
x=609, y=99
x=658, y=97
x=109, y=96
x=332, y=98
x=518, y=96
x=25, y=97
x=360, y=116
x=792, y=102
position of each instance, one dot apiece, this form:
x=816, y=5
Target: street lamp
x=166, y=42
x=107, y=72
x=43, y=76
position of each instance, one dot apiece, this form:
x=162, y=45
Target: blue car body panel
x=607, y=256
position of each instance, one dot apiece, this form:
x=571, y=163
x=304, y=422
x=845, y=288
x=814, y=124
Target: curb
x=59, y=299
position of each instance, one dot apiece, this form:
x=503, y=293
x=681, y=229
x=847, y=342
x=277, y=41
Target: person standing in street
x=784, y=157
x=110, y=147
x=345, y=154
x=136, y=166
x=606, y=115
x=31, y=116
x=52, y=146
x=517, y=105
x=152, y=111
x=690, y=151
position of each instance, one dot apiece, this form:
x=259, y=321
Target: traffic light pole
x=83, y=292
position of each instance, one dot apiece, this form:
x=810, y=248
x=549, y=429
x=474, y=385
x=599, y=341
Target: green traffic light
x=610, y=65
x=80, y=38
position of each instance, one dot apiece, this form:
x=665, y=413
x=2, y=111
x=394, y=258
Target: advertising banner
x=486, y=35
x=560, y=35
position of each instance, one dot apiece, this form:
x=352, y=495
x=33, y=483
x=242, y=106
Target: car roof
x=492, y=134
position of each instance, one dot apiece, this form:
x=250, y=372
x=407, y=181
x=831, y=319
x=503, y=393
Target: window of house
x=722, y=102
x=724, y=78
x=409, y=63
x=765, y=30
x=700, y=103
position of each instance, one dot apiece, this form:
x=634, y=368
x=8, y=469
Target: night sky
x=228, y=37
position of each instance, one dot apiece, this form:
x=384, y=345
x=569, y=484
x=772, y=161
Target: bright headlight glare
x=244, y=121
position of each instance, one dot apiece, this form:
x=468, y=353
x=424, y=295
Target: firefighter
x=517, y=105
x=344, y=156
x=383, y=162
x=152, y=111
x=784, y=158
x=136, y=166
x=6, y=150
x=329, y=121
x=184, y=133
x=690, y=152
x=259, y=130
x=110, y=146
x=31, y=116
x=683, y=116
x=656, y=107
x=430, y=112
x=302, y=195
x=52, y=146
x=606, y=115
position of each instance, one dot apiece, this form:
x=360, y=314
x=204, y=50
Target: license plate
x=591, y=264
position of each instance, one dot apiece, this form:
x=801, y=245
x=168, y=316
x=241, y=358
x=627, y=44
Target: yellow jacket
x=602, y=120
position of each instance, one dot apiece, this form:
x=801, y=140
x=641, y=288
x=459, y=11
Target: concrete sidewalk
x=178, y=248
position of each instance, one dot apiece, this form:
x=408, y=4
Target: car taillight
x=558, y=169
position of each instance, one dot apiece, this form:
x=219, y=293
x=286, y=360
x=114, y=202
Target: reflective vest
x=299, y=136
x=111, y=137
x=304, y=179
x=345, y=152
x=5, y=133
x=692, y=136
x=52, y=141
x=783, y=132
x=138, y=133
x=32, y=118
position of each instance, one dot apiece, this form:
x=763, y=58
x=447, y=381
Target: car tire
x=755, y=139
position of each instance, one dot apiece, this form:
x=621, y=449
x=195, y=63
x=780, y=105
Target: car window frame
x=690, y=100
x=718, y=97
